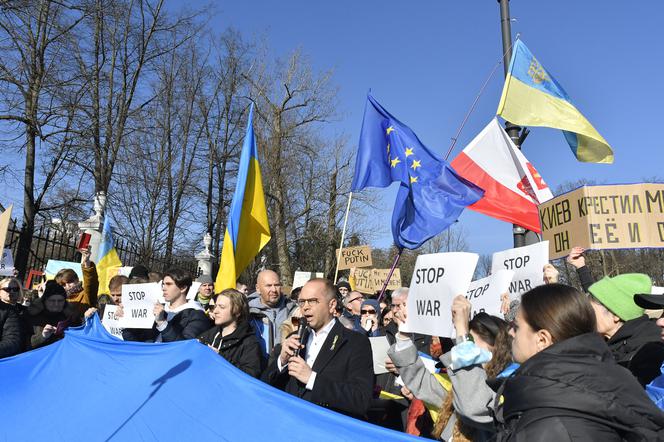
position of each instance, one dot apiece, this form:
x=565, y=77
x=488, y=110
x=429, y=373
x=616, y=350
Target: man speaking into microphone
x=329, y=365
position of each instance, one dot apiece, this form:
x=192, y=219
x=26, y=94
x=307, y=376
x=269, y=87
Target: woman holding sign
x=569, y=387
x=232, y=337
x=482, y=352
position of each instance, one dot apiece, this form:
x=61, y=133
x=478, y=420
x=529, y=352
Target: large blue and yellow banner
x=532, y=97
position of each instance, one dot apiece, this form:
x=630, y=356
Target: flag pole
x=343, y=236
x=518, y=232
x=389, y=275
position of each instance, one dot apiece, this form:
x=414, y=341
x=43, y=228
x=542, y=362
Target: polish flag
x=512, y=186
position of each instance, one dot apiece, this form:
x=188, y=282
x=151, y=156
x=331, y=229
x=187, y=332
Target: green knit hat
x=617, y=293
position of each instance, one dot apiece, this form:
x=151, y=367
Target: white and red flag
x=513, y=187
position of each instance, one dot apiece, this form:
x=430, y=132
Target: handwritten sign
x=604, y=217
x=111, y=322
x=7, y=263
x=138, y=301
x=371, y=280
x=437, y=279
x=359, y=256
x=526, y=262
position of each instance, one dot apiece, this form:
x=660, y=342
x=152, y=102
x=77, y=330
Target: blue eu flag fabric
x=431, y=195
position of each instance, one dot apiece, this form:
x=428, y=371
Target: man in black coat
x=332, y=367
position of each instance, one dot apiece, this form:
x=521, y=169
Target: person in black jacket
x=332, y=366
x=11, y=294
x=232, y=336
x=568, y=386
x=182, y=320
x=632, y=337
x=10, y=331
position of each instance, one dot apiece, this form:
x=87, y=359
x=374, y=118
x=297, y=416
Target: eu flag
x=431, y=195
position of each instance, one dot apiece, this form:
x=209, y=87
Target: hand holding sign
x=461, y=308
x=139, y=301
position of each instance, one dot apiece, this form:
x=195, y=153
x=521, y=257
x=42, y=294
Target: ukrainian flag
x=247, y=229
x=532, y=97
x=108, y=262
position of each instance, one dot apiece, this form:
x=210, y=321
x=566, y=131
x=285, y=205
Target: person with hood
x=270, y=308
x=624, y=324
x=232, y=337
x=50, y=322
x=569, y=387
x=181, y=320
x=370, y=321
x=205, y=291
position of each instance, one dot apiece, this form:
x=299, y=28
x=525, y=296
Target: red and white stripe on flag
x=512, y=186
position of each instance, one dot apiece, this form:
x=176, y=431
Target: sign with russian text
x=604, y=217
x=437, y=279
x=359, y=256
x=138, y=302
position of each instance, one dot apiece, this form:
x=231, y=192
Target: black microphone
x=302, y=326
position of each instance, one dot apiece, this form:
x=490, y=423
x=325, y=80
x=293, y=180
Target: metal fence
x=50, y=243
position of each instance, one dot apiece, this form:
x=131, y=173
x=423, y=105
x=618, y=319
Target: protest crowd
x=559, y=364
x=519, y=355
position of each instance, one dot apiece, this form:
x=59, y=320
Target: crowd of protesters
x=558, y=365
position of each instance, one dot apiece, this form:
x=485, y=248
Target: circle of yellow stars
x=414, y=164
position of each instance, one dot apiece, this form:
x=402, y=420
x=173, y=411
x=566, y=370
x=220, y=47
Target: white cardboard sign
x=301, y=278
x=138, y=301
x=379, y=347
x=193, y=290
x=7, y=263
x=527, y=263
x=484, y=294
x=111, y=322
x=437, y=279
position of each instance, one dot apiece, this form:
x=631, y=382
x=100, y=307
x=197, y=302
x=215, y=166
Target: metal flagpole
x=343, y=236
x=512, y=130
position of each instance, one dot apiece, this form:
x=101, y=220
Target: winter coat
x=240, y=348
x=344, y=374
x=637, y=345
x=10, y=331
x=575, y=391
x=69, y=315
x=472, y=398
x=274, y=317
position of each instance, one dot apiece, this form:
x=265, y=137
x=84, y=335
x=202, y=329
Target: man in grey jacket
x=271, y=305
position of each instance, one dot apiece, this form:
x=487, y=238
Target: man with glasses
x=332, y=366
x=353, y=304
x=270, y=308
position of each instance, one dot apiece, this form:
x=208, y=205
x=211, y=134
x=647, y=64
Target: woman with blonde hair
x=232, y=336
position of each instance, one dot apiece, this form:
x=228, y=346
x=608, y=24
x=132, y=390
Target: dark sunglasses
x=368, y=312
x=11, y=289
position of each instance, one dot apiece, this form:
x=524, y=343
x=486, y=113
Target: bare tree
x=38, y=93
x=291, y=101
